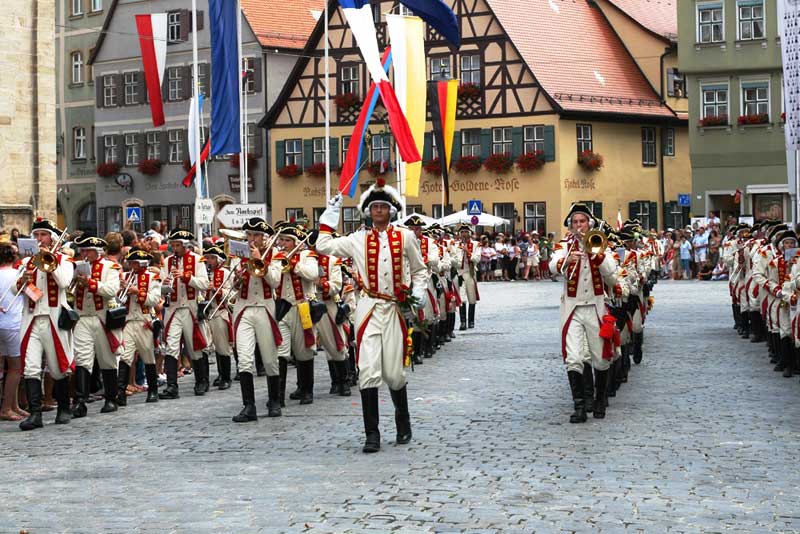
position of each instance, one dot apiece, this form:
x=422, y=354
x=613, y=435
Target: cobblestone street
x=703, y=438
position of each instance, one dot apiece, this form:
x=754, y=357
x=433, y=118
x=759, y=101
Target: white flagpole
x=327, y=113
x=242, y=154
x=198, y=180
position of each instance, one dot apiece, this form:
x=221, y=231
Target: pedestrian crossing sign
x=474, y=207
x=134, y=214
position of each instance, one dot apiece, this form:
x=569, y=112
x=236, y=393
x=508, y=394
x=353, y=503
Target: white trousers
x=217, y=331
x=583, y=341
x=90, y=340
x=40, y=343
x=326, y=328
x=254, y=328
x=138, y=338
x=469, y=289
x=181, y=326
x=381, y=349
x=294, y=343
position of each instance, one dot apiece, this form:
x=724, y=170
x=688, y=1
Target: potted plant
x=345, y=101
x=150, y=167
x=290, y=171
x=469, y=91
x=376, y=168
x=499, y=163
x=714, y=120
x=590, y=161
x=109, y=169
x=317, y=169
x=758, y=118
x=467, y=164
x=433, y=166
x=532, y=161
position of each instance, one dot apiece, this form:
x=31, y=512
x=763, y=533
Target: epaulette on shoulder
x=558, y=246
x=312, y=254
x=763, y=253
x=348, y=288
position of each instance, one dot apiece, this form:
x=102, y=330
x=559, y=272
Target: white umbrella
x=484, y=219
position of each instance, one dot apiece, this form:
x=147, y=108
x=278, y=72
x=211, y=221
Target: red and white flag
x=619, y=220
x=152, y=31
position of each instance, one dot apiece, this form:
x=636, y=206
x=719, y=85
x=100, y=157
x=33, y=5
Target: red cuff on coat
x=327, y=229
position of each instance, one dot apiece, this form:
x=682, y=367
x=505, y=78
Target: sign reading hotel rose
x=579, y=183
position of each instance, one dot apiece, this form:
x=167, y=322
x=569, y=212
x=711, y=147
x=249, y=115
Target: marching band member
x=583, y=308
x=143, y=295
x=255, y=322
x=188, y=279
x=777, y=273
x=762, y=256
x=219, y=327
x=423, y=345
x=636, y=267
x=330, y=328
x=469, y=254
x=44, y=341
x=94, y=294
x=388, y=261
x=298, y=271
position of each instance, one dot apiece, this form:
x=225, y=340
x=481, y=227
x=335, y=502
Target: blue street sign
x=134, y=214
x=474, y=207
x=684, y=200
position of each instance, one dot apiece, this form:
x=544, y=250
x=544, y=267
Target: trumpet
x=284, y=258
x=44, y=260
x=258, y=266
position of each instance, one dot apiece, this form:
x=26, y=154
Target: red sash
x=423, y=246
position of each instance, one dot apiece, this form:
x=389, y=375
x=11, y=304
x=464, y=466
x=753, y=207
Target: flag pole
x=327, y=111
x=242, y=155
x=198, y=183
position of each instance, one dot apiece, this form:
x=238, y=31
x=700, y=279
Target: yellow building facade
x=521, y=109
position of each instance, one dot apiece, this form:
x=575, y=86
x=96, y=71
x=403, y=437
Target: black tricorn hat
x=179, y=234
x=214, y=250
x=578, y=207
x=257, y=224
x=294, y=230
x=137, y=254
x=414, y=220
x=45, y=224
x=90, y=241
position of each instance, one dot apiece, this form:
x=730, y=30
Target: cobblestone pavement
x=704, y=438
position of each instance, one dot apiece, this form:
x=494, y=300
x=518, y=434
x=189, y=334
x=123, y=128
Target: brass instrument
x=594, y=242
x=258, y=266
x=284, y=259
x=44, y=260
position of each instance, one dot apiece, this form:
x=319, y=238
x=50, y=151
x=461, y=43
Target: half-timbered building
x=550, y=78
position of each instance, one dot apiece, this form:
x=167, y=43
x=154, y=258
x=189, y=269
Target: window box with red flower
x=759, y=118
x=714, y=120
x=532, y=161
x=376, y=168
x=346, y=101
x=499, y=163
x=317, y=169
x=290, y=171
x=469, y=91
x=590, y=161
x=150, y=167
x=467, y=164
x=251, y=161
x=106, y=170
x=433, y=167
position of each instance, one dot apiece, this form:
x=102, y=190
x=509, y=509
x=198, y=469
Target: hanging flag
x=152, y=30
x=407, y=35
x=439, y=16
x=195, y=110
x=619, y=220
x=348, y=177
x=189, y=179
x=225, y=70
x=442, y=95
x=737, y=196
x=359, y=17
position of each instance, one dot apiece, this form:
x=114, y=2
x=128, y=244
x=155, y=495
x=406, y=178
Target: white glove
x=330, y=217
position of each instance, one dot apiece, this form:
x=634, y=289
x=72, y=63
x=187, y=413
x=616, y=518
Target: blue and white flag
x=225, y=72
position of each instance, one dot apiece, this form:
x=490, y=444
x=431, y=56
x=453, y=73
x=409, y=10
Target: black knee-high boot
x=82, y=376
x=576, y=385
x=588, y=388
x=109, y=390
x=462, y=315
x=283, y=369
x=123, y=375
x=744, y=320
x=171, y=370
x=757, y=327
x=249, y=412
x=369, y=408
x=402, y=418
x=151, y=374
x=601, y=388
x=33, y=390
x=61, y=394
x=735, y=316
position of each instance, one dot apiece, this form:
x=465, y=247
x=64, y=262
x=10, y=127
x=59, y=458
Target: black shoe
x=588, y=388
x=402, y=419
x=82, y=376
x=462, y=317
x=198, y=368
x=576, y=385
x=151, y=375
x=638, y=340
x=109, y=390
x=171, y=370
x=601, y=379
x=61, y=394
x=471, y=316
x=273, y=396
x=369, y=409
x=283, y=367
x=224, y=370
x=343, y=384
x=306, y=371
x=248, y=413
x=33, y=389
x=416, y=347
x=123, y=375
x=334, y=385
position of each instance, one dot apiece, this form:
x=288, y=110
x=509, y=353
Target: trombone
x=44, y=260
x=594, y=242
x=258, y=266
x=284, y=259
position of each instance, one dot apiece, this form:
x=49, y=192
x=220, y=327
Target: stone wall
x=27, y=114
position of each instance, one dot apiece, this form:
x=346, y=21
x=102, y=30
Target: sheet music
x=240, y=249
x=27, y=247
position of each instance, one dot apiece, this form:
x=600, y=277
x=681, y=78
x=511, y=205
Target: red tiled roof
x=658, y=16
x=577, y=58
x=282, y=24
